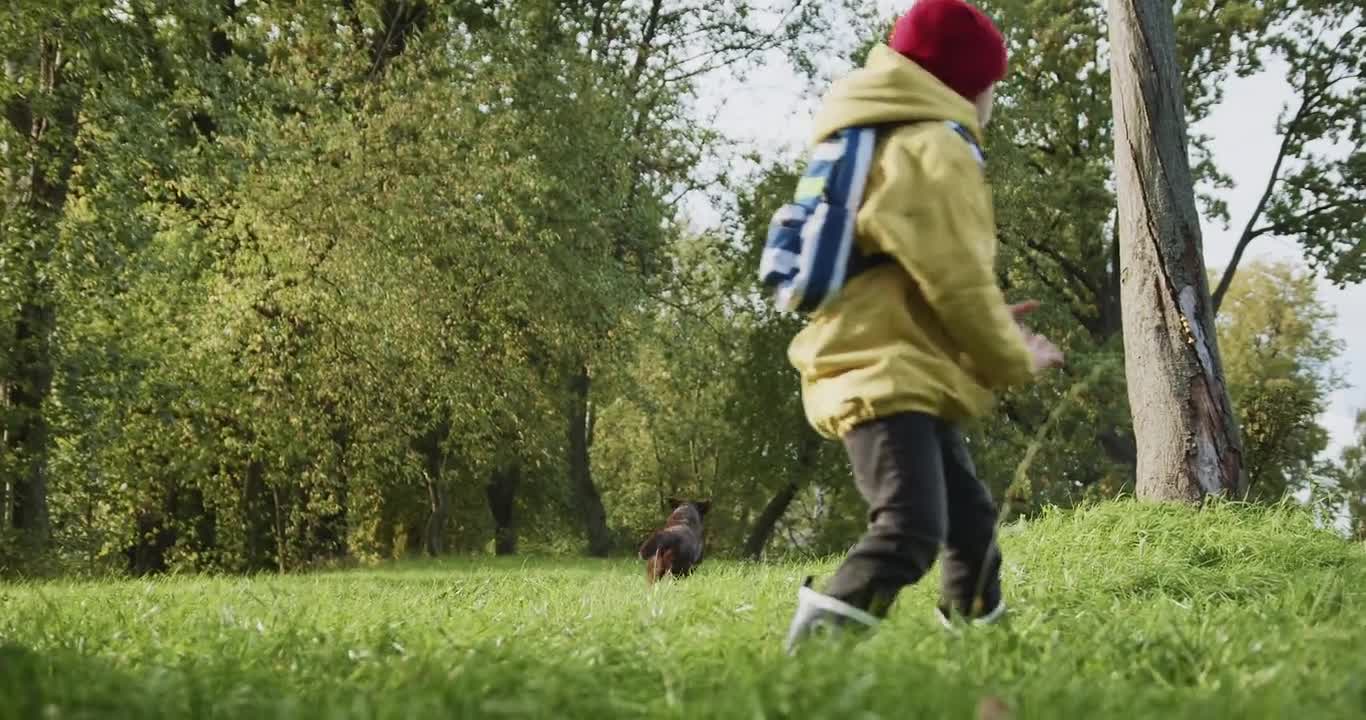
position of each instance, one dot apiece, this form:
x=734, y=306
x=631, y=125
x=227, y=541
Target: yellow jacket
x=931, y=332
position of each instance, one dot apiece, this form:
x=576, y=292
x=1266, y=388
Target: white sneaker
x=816, y=610
x=990, y=618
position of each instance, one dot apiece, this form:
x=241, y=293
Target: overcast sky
x=767, y=110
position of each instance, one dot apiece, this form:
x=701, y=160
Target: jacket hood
x=890, y=88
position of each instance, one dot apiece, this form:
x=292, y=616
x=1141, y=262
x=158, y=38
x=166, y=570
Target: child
x=912, y=347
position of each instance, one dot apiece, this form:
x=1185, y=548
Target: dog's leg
x=655, y=566
x=661, y=564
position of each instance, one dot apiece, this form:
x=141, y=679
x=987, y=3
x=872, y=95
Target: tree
x=304, y=338
x=708, y=405
x=283, y=283
x=1310, y=196
x=1279, y=351
x=1351, y=480
x=40, y=96
x=1188, y=438
x=780, y=460
x=327, y=279
x=1052, y=169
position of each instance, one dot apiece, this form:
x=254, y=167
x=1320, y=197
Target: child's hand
x=1045, y=354
x=1021, y=309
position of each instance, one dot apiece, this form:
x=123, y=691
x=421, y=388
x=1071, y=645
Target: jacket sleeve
x=932, y=214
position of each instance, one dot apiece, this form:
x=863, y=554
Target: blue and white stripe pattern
x=809, y=240
x=807, y=255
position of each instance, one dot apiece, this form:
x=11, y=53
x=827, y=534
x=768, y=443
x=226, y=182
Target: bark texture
x=1187, y=437
x=587, y=499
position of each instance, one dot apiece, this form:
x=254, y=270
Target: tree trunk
x=331, y=537
x=1111, y=300
x=438, y=501
x=777, y=506
x=147, y=555
x=412, y=537
x=1188, y=441
x=156, y=536
x=439, y=520
x=586, y=496
x=29, y=442
x=502, y=495
x=767, y=521
x=258, y=518
x=280, y=531
x=438, y=497
x=203, y=520
x=36, y=178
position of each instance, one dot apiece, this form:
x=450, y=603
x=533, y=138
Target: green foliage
x=1278, y=347
x=711, y=406
x=327, y=251
x=300, y=318
x=320, y=274
x=286, y=285
x=1119, y=610
x=1320, y=201
x=1050, y=165
x=1349, y=477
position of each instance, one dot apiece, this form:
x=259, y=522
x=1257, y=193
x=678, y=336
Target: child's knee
x=917, y=538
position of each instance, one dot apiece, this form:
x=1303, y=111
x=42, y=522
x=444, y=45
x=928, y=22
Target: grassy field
x=1119, y=611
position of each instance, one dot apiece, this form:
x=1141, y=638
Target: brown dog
x=677, y=547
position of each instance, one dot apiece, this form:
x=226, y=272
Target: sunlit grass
x=1119, y=610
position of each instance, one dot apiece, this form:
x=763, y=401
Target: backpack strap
x=811, y=250
x=972, y=141
x=860, y=261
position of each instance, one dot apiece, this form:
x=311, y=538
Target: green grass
x=1120, y=610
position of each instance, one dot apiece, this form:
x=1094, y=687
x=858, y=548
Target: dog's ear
x=703, y=506
x=674, y=502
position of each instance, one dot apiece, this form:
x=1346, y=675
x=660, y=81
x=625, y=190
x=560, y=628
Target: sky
x=769, y=110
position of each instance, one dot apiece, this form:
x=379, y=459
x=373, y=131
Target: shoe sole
x=989, y=619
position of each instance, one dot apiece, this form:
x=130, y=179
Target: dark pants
x=923, y=493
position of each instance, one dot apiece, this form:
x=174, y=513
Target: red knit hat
x=955, y=42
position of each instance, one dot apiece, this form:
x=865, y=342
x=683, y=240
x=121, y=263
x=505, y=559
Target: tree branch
x=1057, y=288
x=1071, y=268
x=647, y=38
x=1249, y=234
